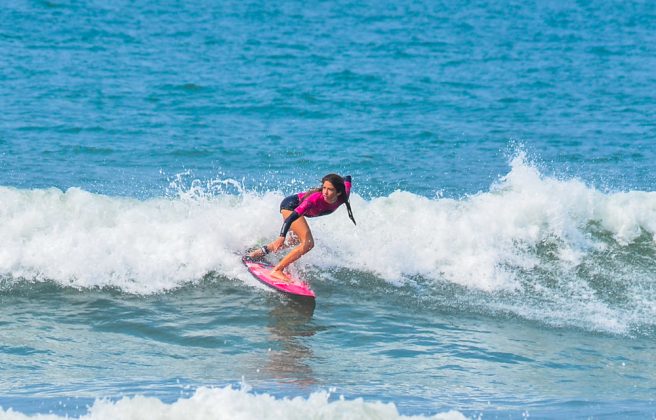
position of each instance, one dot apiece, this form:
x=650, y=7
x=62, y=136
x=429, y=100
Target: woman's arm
x=288, y=223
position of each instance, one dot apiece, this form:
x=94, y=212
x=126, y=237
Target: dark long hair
x=338, y=183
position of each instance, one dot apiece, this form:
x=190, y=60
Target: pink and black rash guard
x=315, y=205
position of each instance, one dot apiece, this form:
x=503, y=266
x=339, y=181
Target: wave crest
x=560, y=243
x=229, y=403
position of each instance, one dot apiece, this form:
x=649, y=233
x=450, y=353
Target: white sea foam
x=482, y=241
x=228, y=403
x=82, y=239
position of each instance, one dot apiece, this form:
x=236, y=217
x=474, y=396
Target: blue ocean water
x=502, y=153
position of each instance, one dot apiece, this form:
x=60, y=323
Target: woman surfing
x=334, y=192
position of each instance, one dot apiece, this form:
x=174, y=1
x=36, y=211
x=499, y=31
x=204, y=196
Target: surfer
x=334, y=192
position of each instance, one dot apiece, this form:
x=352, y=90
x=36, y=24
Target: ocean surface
x=502, y=153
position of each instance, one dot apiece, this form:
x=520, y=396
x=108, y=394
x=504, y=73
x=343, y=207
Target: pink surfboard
x=296, y=288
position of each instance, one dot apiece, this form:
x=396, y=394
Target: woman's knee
x=308, y=244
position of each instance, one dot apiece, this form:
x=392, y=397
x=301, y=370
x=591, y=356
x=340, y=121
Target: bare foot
x=257, y=253
x=279, y=275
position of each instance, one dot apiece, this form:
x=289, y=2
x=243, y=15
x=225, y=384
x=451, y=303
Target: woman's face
x=329, y=192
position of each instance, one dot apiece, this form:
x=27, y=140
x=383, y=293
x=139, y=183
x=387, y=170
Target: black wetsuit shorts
x=290, y=203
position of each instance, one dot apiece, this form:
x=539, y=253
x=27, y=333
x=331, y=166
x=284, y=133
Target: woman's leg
x=292, y=240
x=290, y=202
x=301, y=230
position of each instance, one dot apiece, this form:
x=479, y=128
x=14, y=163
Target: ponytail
x=350, y=212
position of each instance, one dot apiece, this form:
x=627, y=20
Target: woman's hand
x=277, y=244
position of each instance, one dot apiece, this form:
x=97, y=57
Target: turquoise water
x=502, y=155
